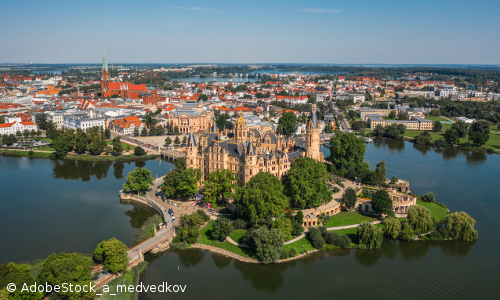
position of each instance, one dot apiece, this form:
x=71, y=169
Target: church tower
x=105, y=77
x=240, y=130
x=313, y=136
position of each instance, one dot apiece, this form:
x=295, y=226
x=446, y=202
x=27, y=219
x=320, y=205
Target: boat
x=368, y=140
x=326, y=144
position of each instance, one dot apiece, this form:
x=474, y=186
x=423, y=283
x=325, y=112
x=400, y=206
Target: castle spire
x=104, y=61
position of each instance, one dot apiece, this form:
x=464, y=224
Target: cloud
x=320, y=10
x=197, y=8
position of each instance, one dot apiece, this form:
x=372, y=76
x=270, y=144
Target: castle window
x=191, y=161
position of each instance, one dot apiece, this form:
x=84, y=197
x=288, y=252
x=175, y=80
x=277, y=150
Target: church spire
x=104, y=61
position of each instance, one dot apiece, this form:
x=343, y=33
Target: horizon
x=458, y=32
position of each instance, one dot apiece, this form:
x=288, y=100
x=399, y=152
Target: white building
x=13, y=128
x=75, y=122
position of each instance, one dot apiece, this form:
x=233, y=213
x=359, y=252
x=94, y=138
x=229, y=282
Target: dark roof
x=250, y=149
x=191, y=141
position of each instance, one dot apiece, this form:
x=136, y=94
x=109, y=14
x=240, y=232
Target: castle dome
x=240, y=121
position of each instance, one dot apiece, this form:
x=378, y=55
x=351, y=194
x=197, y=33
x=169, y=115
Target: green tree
x=328, y=128
x=382, y=203
x=369, y=236
x=202, y=97
x=419, y=218
x=18, y=274
x=189, y=227
x=261, y=198
x=359, y=126
x=139, y=151
x=461, y=128
x=136, y=132
x=288, y=120
x=149, y=119
x=67, y=268
x=478, y=138
x=219, y=186
x=187, y=182
x=168, y=141
x=19, y=134
x=32, y=133
x=160, y=130
x=428, y=197
x=96, y=144
x=61, y=146
x=107, y=133
x=117, y=146
x=346, y=150
x=26, y=133
x=305, y=183
x=392, y=131
x=168, y=186
x=392, y=114
x=2, y=119
x=299, y=217
x=461, y=226
x=138, y=180
x=184, y=140
x=437, y=126
x=177, y=141
x=392, y=227
x=113, y=254
x=379, y=130
x=349, y=198
x=451, y=136
x=268, y=244
x=176, y=129
x=316, y=238
x=221, y=229
x=285, y=226
x=144, y=131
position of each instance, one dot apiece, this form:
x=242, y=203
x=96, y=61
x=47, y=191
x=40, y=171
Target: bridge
x=326, y=136
x=172, y=154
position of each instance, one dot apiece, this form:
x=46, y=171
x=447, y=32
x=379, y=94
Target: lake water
x=217, y=79
x=53, y=206
x=48, y=72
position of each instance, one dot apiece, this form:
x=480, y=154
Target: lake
x=53, y=206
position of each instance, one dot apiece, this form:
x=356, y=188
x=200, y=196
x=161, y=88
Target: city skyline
x=316, y=32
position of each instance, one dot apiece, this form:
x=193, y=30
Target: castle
x=247, y=152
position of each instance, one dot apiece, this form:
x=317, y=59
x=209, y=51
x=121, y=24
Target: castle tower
x=240, y=130
x=251, y=166
x=313, y=136
x=105, y=77
x=191, y=153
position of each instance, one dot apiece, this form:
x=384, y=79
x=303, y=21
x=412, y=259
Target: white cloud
x=320, y=10
x=197, y=8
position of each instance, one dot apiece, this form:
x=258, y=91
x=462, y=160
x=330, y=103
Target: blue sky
x=355, y=31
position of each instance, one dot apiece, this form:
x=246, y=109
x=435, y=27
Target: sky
x=325, y=32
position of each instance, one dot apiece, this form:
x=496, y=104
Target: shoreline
x=110, y=158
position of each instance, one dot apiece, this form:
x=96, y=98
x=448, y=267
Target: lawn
x=348, y=218
x=47, y=149
x=436, y=118
x=124, y=146
x=301, y=245
x=206, y=239
x=352, y=233
x=237, y=235
x=437, y=212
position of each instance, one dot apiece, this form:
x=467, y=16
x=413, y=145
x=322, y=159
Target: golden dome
x=240, y=121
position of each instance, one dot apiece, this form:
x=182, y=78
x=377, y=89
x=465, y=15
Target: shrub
x=461, y=226
x=203, y=215
x=31, y=153
x=221, y=229
x=240, y=224
x=316, y=238
x=287, y=253
x=429, y=197
x=139, y=151
x=179, y=246
x=247, y=238
x=392, y=227
x=407, y=232
x=297, y=229
x=419, y=218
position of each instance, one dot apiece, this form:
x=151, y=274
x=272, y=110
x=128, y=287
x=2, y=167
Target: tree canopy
x=288, y=120
x=349, y=198
x=347, y=150
x=219, y=186
x=369, y=236
x=382, y=203
x=113, y=254
x=461, y=226
x=419, y=218
x=268, y=244
x=138, y=180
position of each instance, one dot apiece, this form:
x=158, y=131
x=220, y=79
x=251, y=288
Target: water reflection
x=391, y=144
x=118, y=170
x=422, y=148
x=190, y=257
x=138, y=215
x=140, y=163
x=84, y=170
x=268, y=278
x=221, y=261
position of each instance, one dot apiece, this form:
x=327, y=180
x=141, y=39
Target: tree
x=423, y=138
x=32, y=133
x=461, y=226
x=219, y=186
x=8, y=139
x=113, y=254
x=316, y=238
x=177, y=141
x=26, y=133
x=67, y=268
x=305, y=183
x=268, y=244
x=184, y=140
x=2, y=119
x=285, y=226
x=160, y=130
x=149, y=119
x=61, y=146
x=352, y=114
x=117, y=146
x=382, y=203
x=392, y=227
x=187, y=182
x=288, y=120
x=402, y=128
x=349, y=198
x=359, y=126
x=189, y=227
x=328, y=128
x=139, y=151
x=346, y=150
x=20, y=276
x=261, y=198
x=136, y=132
x=152, y=130
x=107, y=133
x=419, y=218
x=221, y=229
x=437, y=126
x=478, y=138
x=403, y=117
x=202, y=97
x=392, y=131
x=369, y=236
x=144, y=131
x=168, y=141
x=176, y=129
x=379, y=130
x=299, y=217
x=96, y=145
x=461, y=128
x=451, y=136
x=392, y=114
x=429, y=197
x=138, y=180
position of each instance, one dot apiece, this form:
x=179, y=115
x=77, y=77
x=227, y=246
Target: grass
x=46, y=149
x=25, y=153
x=352, y=233
x=237, y=235
x=348, y=218
x=128, y=278
x=124, y=145
x=301, y=245
x=436, y=118
x=437, y=212
x=206, y=239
